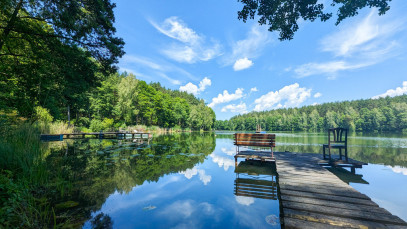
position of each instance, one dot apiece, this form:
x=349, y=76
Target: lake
x=190, y=180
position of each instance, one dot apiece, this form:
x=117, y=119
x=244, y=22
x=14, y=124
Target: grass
x=24, y=176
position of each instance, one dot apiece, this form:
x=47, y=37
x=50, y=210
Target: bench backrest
x=261, y=140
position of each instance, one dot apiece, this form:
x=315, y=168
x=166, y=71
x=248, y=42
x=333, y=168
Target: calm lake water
x=190, y=180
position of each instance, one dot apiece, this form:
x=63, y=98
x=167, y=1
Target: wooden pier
x=313, y=197
x=104, y=135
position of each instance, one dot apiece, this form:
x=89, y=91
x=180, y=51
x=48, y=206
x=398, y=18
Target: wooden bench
x=258, y=140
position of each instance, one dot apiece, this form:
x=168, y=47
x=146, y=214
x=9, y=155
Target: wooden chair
x=337, y=139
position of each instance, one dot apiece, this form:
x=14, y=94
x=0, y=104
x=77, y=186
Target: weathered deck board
x=301, y=219
x=328, y=197
x=313, y=197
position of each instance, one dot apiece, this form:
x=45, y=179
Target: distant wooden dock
x=101, y=135
x=313, y=197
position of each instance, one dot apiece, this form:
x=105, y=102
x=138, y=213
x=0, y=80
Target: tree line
x=122, y=100
x=384, y=114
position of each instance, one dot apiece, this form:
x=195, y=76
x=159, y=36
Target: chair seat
x=335, y=145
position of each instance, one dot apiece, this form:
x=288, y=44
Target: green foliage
x=96, y=125
x=77, y=177
x=82, y=121
x=129, y=101
x=12, y=198
x=283, y=15
x=42, y=114
x=87, y=24
x=384, y=114
x=127, y=95
x=107, y=124
x=52, y=53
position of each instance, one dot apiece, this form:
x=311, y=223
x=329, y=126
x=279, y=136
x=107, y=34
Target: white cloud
x=251, y=47
x=292, y=96
x=190, y=88
x=393, y=92
x=153, y=68
x=204, y=177
x=244, y=200
x=241, y=64
x=140, y=60
x=189, y=173
x=173, y=81
x=356, y=45
x=398, y=169
x=229, y=152
x=176, y=28
x=188, y=212
x=317, y=95
x=191, y=47
x=195, y=90
x=204, y=83
x=369, y=34
x=245, y=50
x=330, y=68
x=226, y=97
x=240, y=108
x=222, y=161
x=254, y=89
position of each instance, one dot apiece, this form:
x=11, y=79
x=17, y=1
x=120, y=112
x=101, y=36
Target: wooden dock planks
x=110, y=135
x=313, y=197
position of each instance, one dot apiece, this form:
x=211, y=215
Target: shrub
x=96, y=125
x=42, y=114
x=107, y=124
x=83, y=122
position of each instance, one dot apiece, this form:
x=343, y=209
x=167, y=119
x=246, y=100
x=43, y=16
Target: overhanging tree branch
x=10, y=24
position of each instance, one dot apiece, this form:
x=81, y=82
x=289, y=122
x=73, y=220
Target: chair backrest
x=339, y=135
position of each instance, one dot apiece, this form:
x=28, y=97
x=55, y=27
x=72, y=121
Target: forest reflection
x=89, y=170
x=387, y=149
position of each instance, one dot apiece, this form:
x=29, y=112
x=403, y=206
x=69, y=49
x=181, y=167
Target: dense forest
x=123, y=100
x=384, y=114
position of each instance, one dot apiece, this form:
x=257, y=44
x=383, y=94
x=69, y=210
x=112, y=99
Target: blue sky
x=201, y=47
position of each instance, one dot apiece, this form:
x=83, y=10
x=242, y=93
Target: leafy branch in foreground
x=283, y=15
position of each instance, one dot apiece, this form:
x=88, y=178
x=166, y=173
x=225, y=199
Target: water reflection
x=255, y=179
x=189, y=173
x=190, y=180
x=387, y=149
x=88, y=171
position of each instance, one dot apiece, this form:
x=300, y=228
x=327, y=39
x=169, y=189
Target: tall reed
x=24, y=174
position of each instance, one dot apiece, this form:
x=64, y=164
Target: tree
x=52, y=53
x=127, y=94
x=87, y=24
x=104, y=98
x=283, y=15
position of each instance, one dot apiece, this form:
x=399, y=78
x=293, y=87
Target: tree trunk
x=69, y=116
